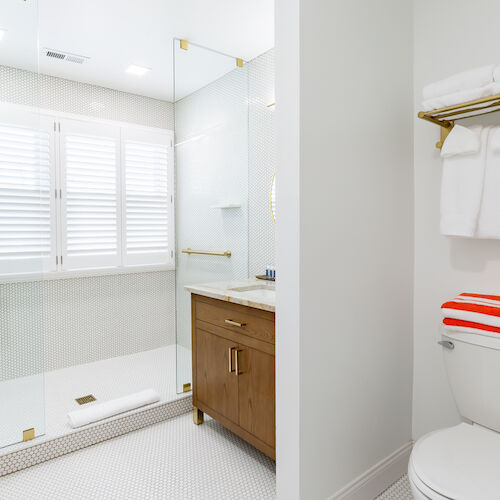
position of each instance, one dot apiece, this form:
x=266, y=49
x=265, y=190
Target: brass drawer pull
x=230, y=353
x=234, y=323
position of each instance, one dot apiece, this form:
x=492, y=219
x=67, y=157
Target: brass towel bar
x=467, y=109
x=189, y=251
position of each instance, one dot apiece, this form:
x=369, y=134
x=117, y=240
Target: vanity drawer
x=240, y=319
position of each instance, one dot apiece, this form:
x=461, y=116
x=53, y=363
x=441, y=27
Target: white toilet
x=463, y=462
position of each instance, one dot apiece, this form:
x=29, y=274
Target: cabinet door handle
x=230, y=354
x=237, y=361
x=234, y=323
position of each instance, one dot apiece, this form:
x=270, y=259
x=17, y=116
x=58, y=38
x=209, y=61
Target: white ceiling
x=117, y=33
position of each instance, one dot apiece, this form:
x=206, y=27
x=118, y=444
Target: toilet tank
x=473, y=368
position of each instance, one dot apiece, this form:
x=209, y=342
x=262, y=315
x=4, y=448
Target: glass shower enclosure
x=25, y=230
x=211, y=168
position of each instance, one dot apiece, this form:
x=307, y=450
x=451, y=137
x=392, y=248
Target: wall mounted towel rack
x=446, y=117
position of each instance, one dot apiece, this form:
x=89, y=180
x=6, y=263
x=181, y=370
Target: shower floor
x=106, y=379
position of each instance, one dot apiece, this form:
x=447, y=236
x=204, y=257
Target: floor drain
x=85, y=399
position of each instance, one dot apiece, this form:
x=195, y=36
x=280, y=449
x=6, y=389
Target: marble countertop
x=255, y=293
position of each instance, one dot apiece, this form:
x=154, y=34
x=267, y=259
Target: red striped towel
x=474, y=308
x=469, y=326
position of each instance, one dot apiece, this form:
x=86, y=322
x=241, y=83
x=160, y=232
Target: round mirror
x=272, y=198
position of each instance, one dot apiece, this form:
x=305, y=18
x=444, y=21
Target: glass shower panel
x=26, y=151
x=211, y=147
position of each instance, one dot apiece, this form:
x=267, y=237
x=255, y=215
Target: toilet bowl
x=460, y=462
x=463, y=462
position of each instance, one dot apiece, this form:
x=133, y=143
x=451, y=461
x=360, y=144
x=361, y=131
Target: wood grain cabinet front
x=234, y=369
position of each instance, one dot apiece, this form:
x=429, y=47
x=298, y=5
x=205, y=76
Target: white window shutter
x=90, y=202
x=147, y=163
x=27, y=206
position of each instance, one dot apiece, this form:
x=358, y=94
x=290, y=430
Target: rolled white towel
x=470, y=79
x=99, y=411
x=461, y=96
x=464, y=162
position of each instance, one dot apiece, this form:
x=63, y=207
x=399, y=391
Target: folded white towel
x=489, y=217
x=470, y=79
x=461, y=96
x=462, y=183
x=99, y=411
x=462, y=141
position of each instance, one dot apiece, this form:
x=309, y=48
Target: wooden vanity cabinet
x=234, y=369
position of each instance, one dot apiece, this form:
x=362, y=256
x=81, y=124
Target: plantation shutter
x=147, y=211
x=90, y=202
x=27, y=208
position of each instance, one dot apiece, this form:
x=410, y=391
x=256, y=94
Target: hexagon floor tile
x=400, y=490
x=174, y=459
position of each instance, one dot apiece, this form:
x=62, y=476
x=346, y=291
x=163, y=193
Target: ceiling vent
x=66, y=56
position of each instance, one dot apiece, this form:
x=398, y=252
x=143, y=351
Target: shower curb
x=57, y=447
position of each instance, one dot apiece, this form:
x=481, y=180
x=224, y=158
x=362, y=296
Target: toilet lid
x=460, y=462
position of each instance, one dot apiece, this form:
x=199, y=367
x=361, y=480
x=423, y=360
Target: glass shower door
x=26, y=198
x=211, y=148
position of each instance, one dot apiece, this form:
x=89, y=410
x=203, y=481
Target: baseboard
x=377, y=479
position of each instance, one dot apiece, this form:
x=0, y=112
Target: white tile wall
x=262, y=161
x=211, y=169
x=21, y=327
x=83, y=319
x=27, y=88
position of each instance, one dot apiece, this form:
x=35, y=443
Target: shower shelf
x=446, y=117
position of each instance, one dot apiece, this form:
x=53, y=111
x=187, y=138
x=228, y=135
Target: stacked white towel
x=470, y=201
x=462, y=87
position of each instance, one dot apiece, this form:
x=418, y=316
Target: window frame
x=53, y=271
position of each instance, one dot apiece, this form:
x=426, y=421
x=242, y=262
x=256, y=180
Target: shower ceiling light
x=2, y=33
x=137, y=70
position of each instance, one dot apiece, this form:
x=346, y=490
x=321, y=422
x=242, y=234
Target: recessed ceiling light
x=137, y=70
x=2, y=33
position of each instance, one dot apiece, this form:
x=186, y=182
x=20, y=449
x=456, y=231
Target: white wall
x=288, y=249
x=450, y=36
x=354, y=215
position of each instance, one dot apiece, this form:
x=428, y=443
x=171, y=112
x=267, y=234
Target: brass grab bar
x=189, y=251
